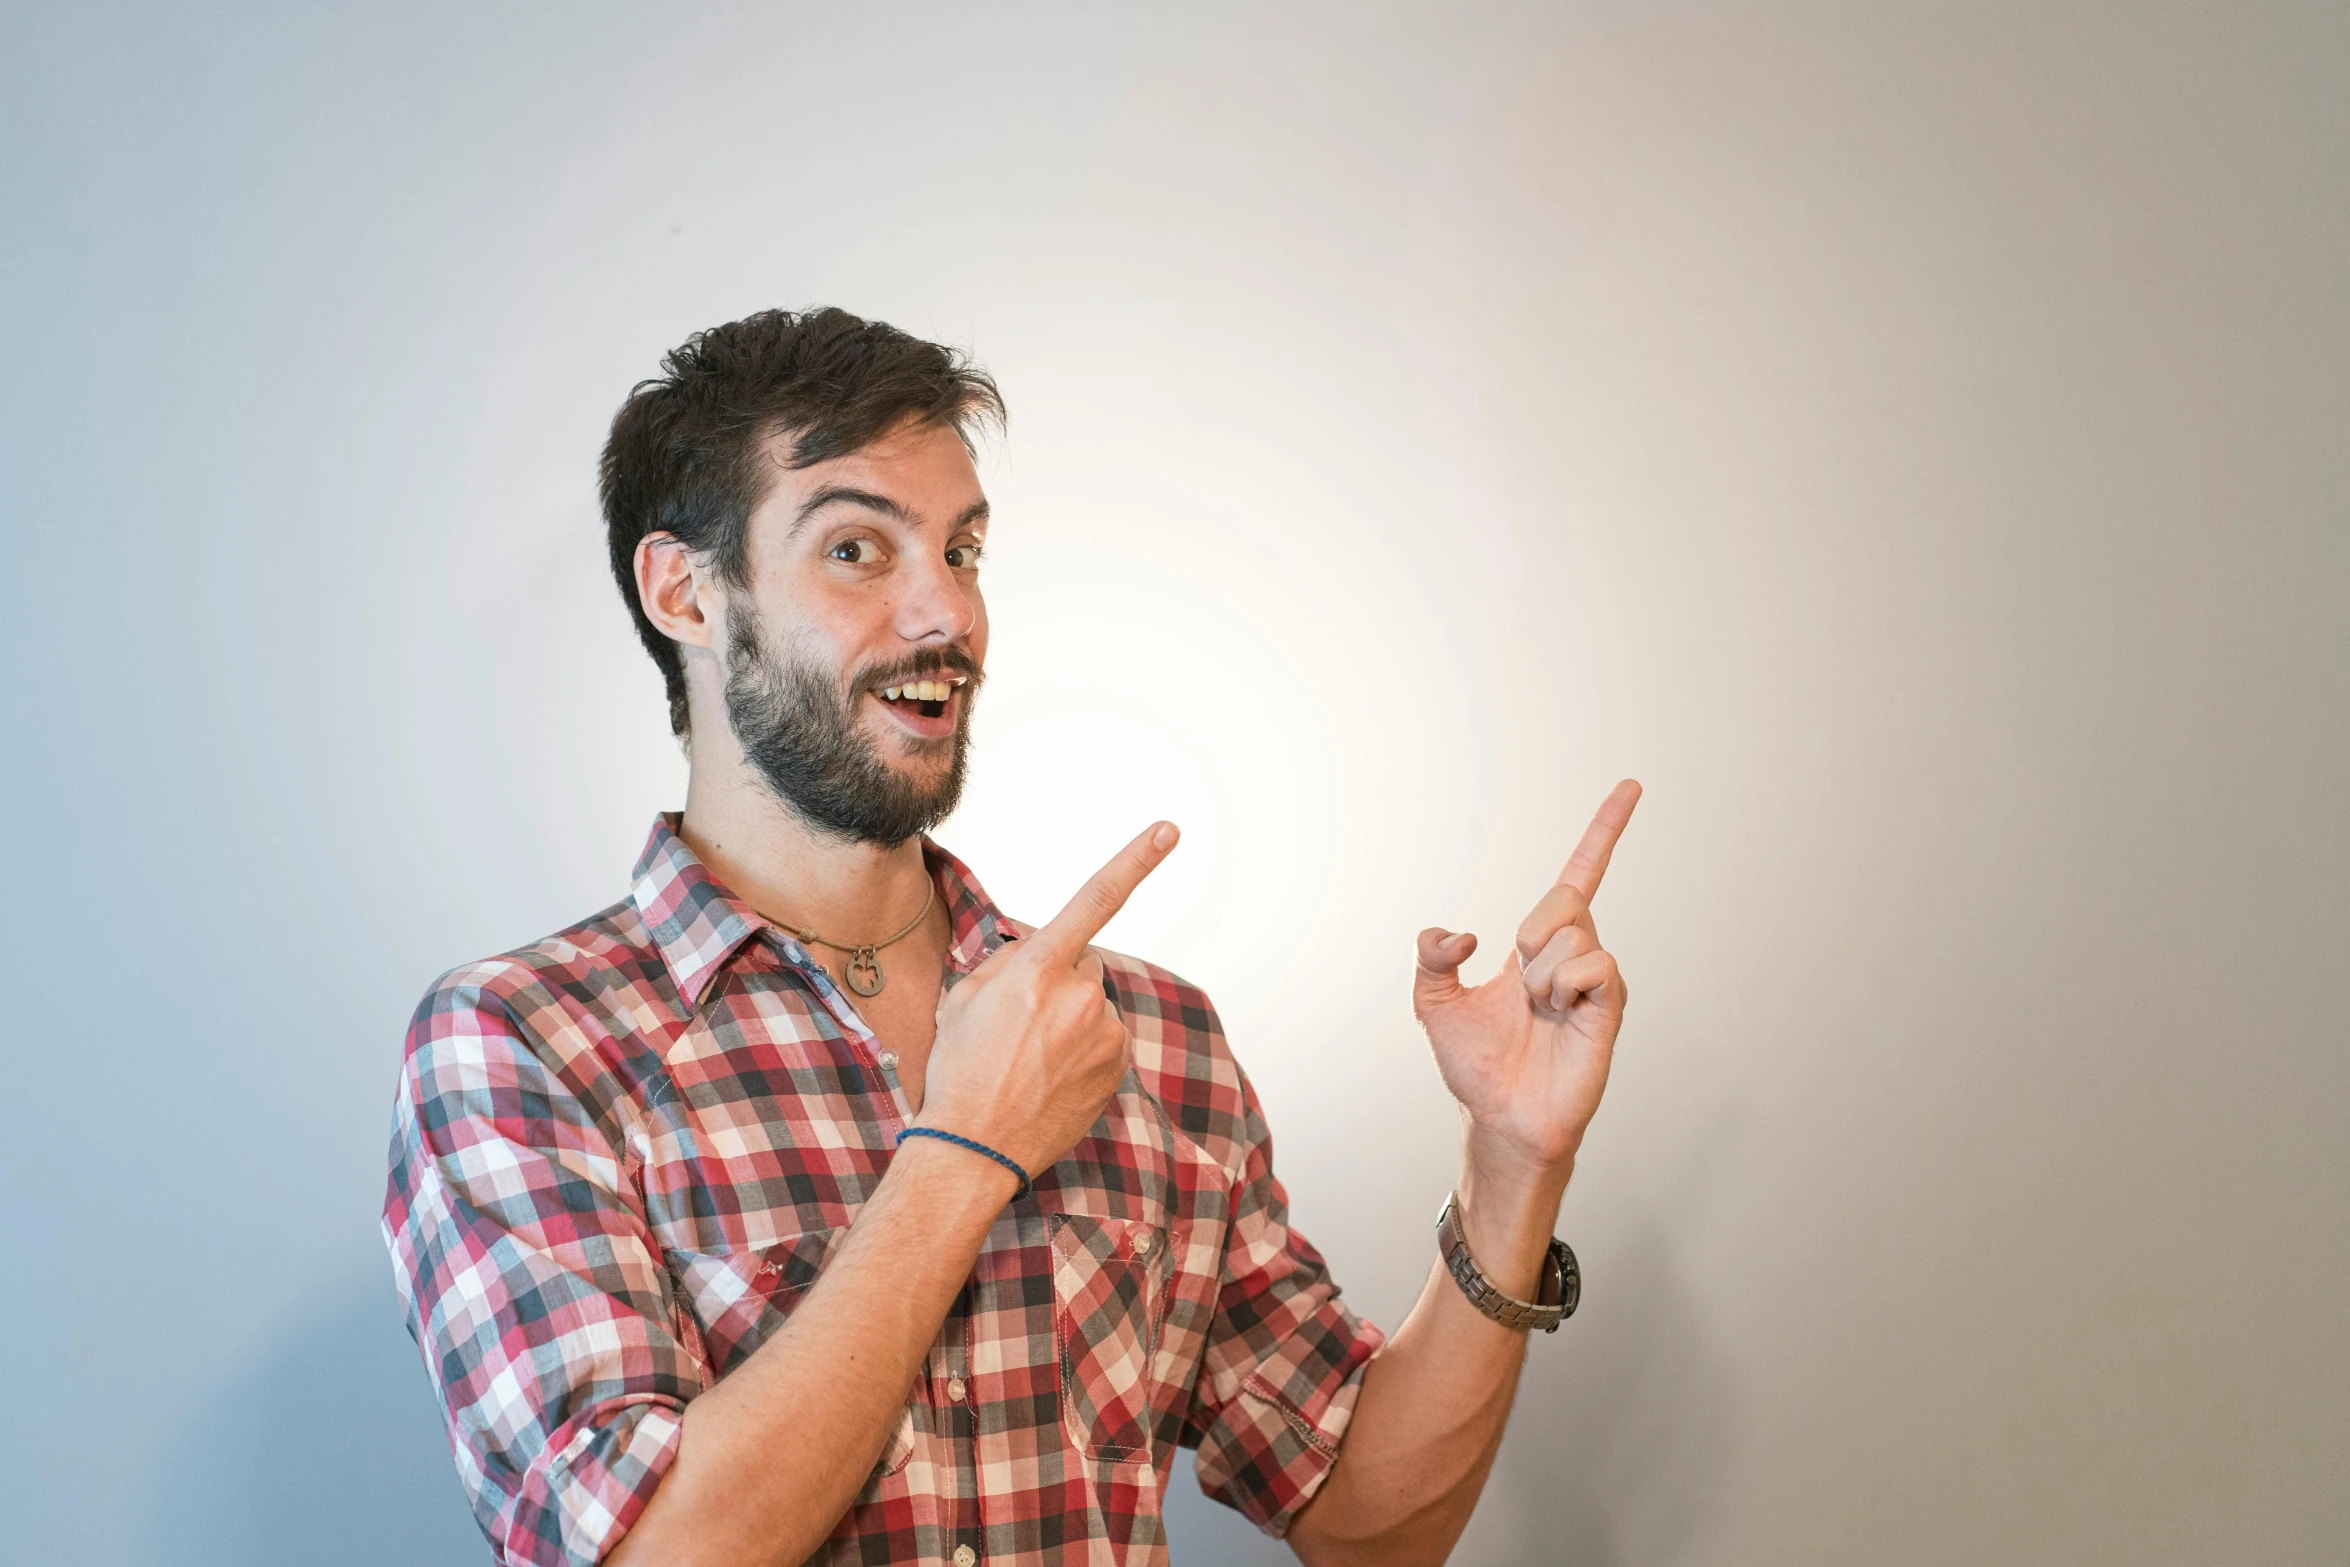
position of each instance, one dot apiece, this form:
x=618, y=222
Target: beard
x=796, y=722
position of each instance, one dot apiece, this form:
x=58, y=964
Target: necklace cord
x=812, y=939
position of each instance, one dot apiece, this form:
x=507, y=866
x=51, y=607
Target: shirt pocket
x=1109, y=1300
x=740, y=1299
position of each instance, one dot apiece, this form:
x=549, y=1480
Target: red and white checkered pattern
x=622, y=1154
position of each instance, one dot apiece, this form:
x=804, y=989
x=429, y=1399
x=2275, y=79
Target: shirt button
x=889, y=1060
x=1142, y=1244
x=965, y=1556
x=956, y=1390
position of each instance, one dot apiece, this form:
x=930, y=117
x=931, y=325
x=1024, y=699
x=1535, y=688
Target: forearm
x=1429, y=1419
x=770, y=1457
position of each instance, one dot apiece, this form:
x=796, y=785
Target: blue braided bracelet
x=965, y=1142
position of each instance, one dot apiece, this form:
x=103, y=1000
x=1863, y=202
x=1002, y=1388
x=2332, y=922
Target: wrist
x=1497, y=1163
x=992, y=1154
x=1509, y=1207
x=952, y=1182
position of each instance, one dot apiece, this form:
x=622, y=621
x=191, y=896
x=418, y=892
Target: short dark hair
x=688, y=450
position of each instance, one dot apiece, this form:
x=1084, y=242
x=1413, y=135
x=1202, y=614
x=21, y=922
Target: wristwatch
x=1561, y=1285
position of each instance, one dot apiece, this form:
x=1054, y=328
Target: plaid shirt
x=621, y=1155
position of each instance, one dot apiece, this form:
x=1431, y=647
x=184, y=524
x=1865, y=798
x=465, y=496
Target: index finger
x=1104, y=894
x=1588, y=863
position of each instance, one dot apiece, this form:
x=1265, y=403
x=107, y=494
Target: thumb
x=1437, y=976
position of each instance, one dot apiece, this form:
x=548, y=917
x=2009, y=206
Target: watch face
x=1570, y=1279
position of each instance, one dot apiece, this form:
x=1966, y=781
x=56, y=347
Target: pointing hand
x=1029, y=1048
x=1527, y=1052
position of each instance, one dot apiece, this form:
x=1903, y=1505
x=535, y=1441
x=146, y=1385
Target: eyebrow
x=850, y=495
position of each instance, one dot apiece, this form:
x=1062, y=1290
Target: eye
x=855, y=552
x=964, y=557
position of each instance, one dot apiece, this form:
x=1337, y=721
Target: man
x=802, y=1206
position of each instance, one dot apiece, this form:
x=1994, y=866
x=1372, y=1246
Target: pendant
x=864, y=972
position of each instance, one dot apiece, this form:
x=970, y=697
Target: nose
x=936, y=605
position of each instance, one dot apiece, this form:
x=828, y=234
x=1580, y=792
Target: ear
x=679, y=598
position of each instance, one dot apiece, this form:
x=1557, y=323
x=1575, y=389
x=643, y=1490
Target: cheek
x=839, y=622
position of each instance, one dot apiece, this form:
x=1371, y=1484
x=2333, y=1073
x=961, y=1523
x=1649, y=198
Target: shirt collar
x=698, y=925
x=977, y=926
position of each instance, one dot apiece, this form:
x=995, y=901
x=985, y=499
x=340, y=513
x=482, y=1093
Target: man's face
x=864, y=581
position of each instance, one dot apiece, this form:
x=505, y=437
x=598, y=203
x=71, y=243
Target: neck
x=792, y=874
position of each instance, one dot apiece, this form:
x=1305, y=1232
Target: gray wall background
x=1910, y=438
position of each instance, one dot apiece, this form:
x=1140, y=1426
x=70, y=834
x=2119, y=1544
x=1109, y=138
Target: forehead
x=921, y=470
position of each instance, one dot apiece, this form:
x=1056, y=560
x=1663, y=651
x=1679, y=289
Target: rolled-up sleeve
x=532, y=1282
x=1284, y=1358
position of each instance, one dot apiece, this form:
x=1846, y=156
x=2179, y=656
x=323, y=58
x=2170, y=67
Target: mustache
x=938, y=661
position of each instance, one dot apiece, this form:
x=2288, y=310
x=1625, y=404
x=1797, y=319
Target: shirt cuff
x=595, y=1475
x=1272, y=1444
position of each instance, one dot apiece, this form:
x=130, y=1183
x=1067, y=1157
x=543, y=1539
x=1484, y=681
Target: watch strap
x=1557, y=1293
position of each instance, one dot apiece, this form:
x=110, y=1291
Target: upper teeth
x=922, y=691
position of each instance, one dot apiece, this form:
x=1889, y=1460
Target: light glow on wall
x=1907, y=439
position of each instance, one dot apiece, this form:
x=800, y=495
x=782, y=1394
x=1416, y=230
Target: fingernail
x=1165, y=837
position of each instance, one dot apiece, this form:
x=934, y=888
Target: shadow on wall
x=326, y=1449
x=1617, y=1446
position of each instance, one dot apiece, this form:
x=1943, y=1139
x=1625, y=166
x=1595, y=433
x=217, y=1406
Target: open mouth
x=923, y=705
